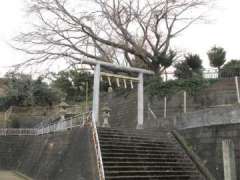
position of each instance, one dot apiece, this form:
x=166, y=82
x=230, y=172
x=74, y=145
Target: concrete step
x=148, y=164
x=143, y=154
x=134, y=147
x=137, y=144
x=134, y=140
x=156, y=177
x=152, y=167
x=138, y=151
x=151, y=172
x=136, y=137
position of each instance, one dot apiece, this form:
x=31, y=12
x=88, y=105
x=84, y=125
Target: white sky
x=223, y=31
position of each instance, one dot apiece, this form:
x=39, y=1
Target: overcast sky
x=223, y=31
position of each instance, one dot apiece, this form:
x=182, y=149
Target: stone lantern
x=63, y=110
x=106, y=115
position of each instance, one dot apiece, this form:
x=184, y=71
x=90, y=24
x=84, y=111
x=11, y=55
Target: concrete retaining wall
x=67, y=155
x=209, y=117
x=11, y=148
x=207, y=143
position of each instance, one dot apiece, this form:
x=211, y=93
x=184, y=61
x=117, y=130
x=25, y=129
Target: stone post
x=185, y=102
x=106, y=115
x=63, y=109
x=165, y=107
x=229, y=160
x=237, y=89
x=140, y=102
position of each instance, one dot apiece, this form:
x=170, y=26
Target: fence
x=17, y=132
x=207, y=74
x=77, y=121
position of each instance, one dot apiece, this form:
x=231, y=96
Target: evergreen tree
x=217, y=57
x=189, y=68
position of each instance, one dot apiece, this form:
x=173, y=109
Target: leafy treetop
x=217, y=57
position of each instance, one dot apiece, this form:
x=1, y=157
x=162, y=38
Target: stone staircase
x=144, y=155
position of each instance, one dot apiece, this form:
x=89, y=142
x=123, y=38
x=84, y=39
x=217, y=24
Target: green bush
x=231, y=69
x=15, y=124
x=4, y=103
x=191, y=67
x=23, y=90
x=217, y=57
x=156, y=87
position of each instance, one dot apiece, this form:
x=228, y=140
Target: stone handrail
x=151, y=112
x=194, y=157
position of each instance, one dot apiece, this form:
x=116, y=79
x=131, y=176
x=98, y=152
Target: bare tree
x=116, y=31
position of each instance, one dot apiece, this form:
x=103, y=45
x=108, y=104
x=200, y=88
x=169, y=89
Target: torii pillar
x=96, y=94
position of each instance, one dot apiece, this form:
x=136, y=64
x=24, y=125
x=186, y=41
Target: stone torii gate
x=96, y=88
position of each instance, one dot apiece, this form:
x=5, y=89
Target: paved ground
x=8, y=175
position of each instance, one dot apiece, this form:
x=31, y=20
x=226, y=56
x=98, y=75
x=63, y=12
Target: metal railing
x=79, y=120
x=211, y=73
x=17, y=132
x=76, y=121
x=98, y=151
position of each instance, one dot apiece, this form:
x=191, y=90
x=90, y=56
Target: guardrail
x=17, y=132
x=79, y=120
x=207, y=74
x=76, y=121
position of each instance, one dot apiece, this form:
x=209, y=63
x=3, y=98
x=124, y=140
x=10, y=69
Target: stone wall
x=207, y=143
x=66, y=155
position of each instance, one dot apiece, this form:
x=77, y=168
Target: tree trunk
x=166, y=75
